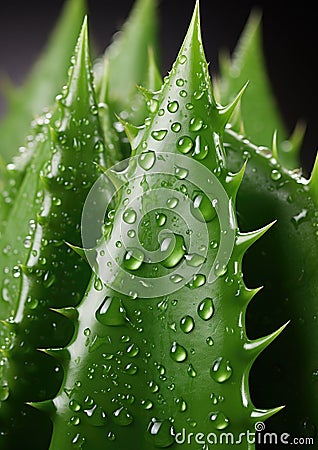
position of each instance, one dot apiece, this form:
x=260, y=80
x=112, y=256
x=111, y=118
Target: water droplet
x=196, y=124
x=187, y=324
x=75, y=420
x=181, y=172
x=132, y=350
x=98, y=284
x=183, y=93
x=153, y=105
x=146, y=404
x=111, y=436
x=219, y=420
x=96, y=416
x=172, y=202
x=201, y=150
x=174, y=248
x=220, y=269
x=209, y=341
x=197, y=281
x=221, y=370
x=122, y=416
x=131, y=369
x=178, y=353
x=185, y=144
x=160, y=433
x=182, y=59
x=112, y=312
x=4, y=393
x=153, y=386
x=206, y=309
x=275, y=175
x=74, y=405
x=133, y=259
x=202, y=208
x=195, y=260
x=32, y=303
x=159, y=135
x=299, y=218
x=173, y=107
x=176, y=278
x=191, y=371
x=176, y=127
x=147, y=159
x=198, y=94
x=161, y=219
x=129, y=216
x=182, y=405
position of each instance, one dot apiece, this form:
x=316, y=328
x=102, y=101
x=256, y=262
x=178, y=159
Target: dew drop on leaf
x=159, y=135
x=112, y=312
x=160, y=433
x=133, y=259
x=173, y=107
x=221, y=370
x=178, y=353
x=206, y=309
x=187, y=324
x=122, y=416
x=129, y=216
x=147, y=159
x=185, y=144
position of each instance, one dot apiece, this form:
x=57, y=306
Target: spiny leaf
x=128, y=54
x=284, y=261
x=52, y=276
x=47, y=77
x=259, y=111
x=153, y=350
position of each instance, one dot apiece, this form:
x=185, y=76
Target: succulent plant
x=131, y=250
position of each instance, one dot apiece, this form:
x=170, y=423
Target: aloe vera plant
x=148, y=336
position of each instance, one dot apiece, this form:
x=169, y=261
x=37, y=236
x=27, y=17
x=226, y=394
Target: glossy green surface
x=143, y=367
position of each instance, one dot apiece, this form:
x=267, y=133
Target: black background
x=289, y=36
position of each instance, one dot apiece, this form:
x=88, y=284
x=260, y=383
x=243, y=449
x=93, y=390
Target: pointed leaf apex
x=154, y=80
x=264, y=414
x=259, y=345
x=46, y=406
x=246, y=240
x=274, y=146
x=133, y=133
x=69, y=312
x=60, y=354
x=234, y=181
x=225, y=112
x=79, y=250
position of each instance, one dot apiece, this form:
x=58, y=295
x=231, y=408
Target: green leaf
x=49, y=275
x=259, y=110
x=285, y=262
x=160, y=343
x=128, y=54
x=46, y=79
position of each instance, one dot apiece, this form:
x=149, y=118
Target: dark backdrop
x=289, y=34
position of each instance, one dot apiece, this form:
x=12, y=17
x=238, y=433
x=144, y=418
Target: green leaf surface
x=127, y=56
x=161, y=346
x=51, y=276
x=259, y=112
x=284, y=261
x=45, y=81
